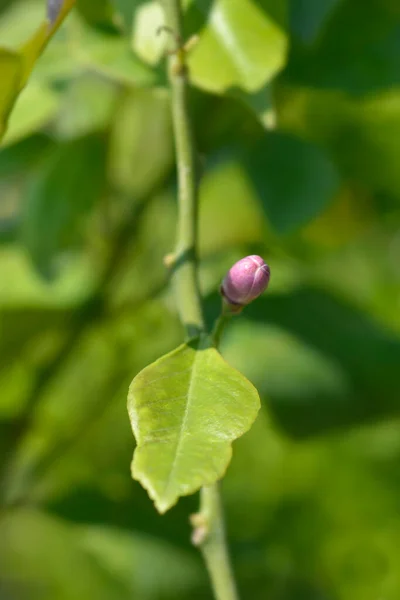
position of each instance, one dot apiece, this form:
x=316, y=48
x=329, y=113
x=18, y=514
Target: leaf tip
x=162, y=504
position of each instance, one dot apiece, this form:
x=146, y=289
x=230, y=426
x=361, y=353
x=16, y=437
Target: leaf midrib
x=183, y=424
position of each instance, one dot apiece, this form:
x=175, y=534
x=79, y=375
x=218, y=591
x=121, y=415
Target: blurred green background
x=296, y=109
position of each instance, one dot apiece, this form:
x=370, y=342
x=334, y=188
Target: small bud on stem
x=245, y=281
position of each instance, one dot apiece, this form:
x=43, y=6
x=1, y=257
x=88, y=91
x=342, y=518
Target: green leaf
x=242, y=43
x=35, y=106
x=185, y=410
x=141, y=124
x=127, y=10
x=362, y=134
x=294, y=179
x=366, y=353
x=34, y=46
x=307, y=17
x=21, y=156
x=16, y=64
x=357, y=51
x=31, y=570
x=145, y=40
x=88, y=105
x=99, y=13
x=10, y=72
x=347, y=369
x=224, y=190
x=110, y=55
x=59, y=197
x=132, y=511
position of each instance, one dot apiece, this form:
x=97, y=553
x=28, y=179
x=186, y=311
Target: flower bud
x=245, y=281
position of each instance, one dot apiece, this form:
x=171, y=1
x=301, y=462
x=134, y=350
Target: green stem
x=210, y=536
x=184, y=266
x=219, y=327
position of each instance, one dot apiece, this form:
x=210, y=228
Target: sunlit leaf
x=36, y=105
x=185, y=410
x=16, y=65
x=147, y=42
x=32, y=48
x=243, y=40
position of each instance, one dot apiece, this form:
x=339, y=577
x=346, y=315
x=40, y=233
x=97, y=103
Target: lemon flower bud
x=245, y=281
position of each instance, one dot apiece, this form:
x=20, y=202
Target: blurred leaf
x=146, y=39
x=87, y=106
x=260, y=103
x=43, y=570
x=243, y=40
x=295, y=180
x=16, y=66
x=226, y=190
x=142, y=122
x=368, y=355
x=32, y=48
x=142, y=273
x=182, y=423
x=358, y=51
x=305, y=391
x=23, y=288
x=28, y=331
x=160, y=570
x=8, y=230
x=127, y=10
x=35, y=107
x=20, y=21
x=110, y=55
x=352, y=379
x=10, y=73
x=59, y=197
x=362, y=134
x=98, y=13
x=307, y=17
x=129, y=510
x=72, y=436
x=22, y=155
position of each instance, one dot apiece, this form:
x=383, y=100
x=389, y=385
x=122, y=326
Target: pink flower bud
x=245, y=281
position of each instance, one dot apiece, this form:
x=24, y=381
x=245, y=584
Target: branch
x=209, y=533
x=184, y=262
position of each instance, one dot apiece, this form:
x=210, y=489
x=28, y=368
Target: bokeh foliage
x=297, y=115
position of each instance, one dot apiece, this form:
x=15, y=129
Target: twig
x=209, y=528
